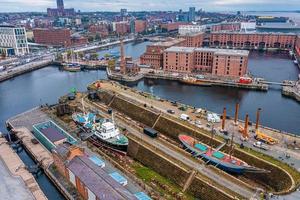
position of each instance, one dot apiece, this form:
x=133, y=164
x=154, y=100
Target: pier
x=19, y=70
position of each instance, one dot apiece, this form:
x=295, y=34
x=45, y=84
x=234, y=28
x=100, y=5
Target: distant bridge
x=285, y=83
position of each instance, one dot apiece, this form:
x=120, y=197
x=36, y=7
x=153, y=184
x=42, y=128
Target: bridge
x=284, y=83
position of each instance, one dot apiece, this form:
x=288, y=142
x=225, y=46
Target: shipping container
x=150, y=132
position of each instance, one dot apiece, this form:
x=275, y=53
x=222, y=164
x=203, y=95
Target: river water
x=46, y=85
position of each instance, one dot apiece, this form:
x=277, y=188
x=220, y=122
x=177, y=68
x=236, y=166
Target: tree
x=91, y=39
x=94, y=56
x=97, y=37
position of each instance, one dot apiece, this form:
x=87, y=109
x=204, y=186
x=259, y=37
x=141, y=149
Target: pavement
x=10, y=184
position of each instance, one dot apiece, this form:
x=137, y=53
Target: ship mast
x=122, y=59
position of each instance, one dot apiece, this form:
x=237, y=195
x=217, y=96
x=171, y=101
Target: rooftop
x=180, y=49
x=233, y=52
x=97, y=180
x=169, y=43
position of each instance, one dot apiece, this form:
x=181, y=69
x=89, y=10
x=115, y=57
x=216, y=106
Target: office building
x=192, y=14
x=13, y=40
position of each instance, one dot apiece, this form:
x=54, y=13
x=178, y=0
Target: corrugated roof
x=97, y=180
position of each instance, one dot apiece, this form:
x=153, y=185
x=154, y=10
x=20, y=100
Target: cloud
x=115, y=5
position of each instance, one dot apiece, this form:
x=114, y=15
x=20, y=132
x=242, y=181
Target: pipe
x=237, y=105
x=224, y=119
x=257, y=118
x=246, y=126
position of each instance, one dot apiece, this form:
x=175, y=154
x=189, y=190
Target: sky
x=137, y=5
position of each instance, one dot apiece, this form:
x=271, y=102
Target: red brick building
x=193, y=40
x=79, y=41
x=234, y=26
x=297, y=46
x=172, y=26
x=220, y=62
x=252, y=40
x=121, y=28
x=90, y=179
x=153, y=56
x=52, y=36
x=140, y=26
x=101, y=29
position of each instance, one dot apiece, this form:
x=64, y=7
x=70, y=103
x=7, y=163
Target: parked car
x=171, y=111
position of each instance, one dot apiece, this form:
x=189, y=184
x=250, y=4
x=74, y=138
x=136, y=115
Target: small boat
x=71, y=67
x=86, y=120
x=195, y=81
x=219, y=159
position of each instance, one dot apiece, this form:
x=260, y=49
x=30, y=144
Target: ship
x=195, y=81
x=71, y=67
x=104, y=132
x=223, y=161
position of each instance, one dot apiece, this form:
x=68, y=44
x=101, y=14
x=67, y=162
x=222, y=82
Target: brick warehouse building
x=52, y=36
x=140, y=26
x=252, y=40
x=221, y=62
x=297, y=46
x=153, y=56
x=193, y=39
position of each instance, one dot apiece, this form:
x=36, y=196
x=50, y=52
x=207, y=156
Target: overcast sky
x=136, y=5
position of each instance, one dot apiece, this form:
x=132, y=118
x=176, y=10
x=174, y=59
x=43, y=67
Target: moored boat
x=71, y=67
x=214, y=157
x=195, y=81
x=104, y=131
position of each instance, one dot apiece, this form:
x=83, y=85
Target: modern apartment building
x=220, y=62
x=13, y=40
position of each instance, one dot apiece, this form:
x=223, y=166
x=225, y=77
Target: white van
x=184, y=117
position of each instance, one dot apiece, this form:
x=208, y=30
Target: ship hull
x=199, y=83
x=120, y=148
x=225, y=166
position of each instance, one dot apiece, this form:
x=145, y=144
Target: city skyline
x=134, y=5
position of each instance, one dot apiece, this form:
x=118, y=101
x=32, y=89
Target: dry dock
x=15, y=181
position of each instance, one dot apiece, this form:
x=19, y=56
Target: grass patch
x=293, y=172
x=155, y=180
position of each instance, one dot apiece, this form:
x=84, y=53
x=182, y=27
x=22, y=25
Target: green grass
x=147, y=175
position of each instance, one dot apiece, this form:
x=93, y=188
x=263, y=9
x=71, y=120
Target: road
x=201, y=168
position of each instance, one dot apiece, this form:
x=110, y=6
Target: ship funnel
x=257, y=118
x=245, y=133
x=237, y=105
x=223, y=119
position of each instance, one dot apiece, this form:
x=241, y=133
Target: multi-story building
x=88, y=175
x=172, y=26
x=192, y=14
x=52, y=36
x=190, y=29
x=153, y=57
x=13, y=40
x=194, y=39
x=101, y=29
x=297, y=47
x=121, y=28
x=140, y=26
x=219, y=62
x=228, y=26
x=252, y=40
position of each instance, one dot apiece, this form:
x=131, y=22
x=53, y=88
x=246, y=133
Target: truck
x=150, y=132
x=184, y=117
